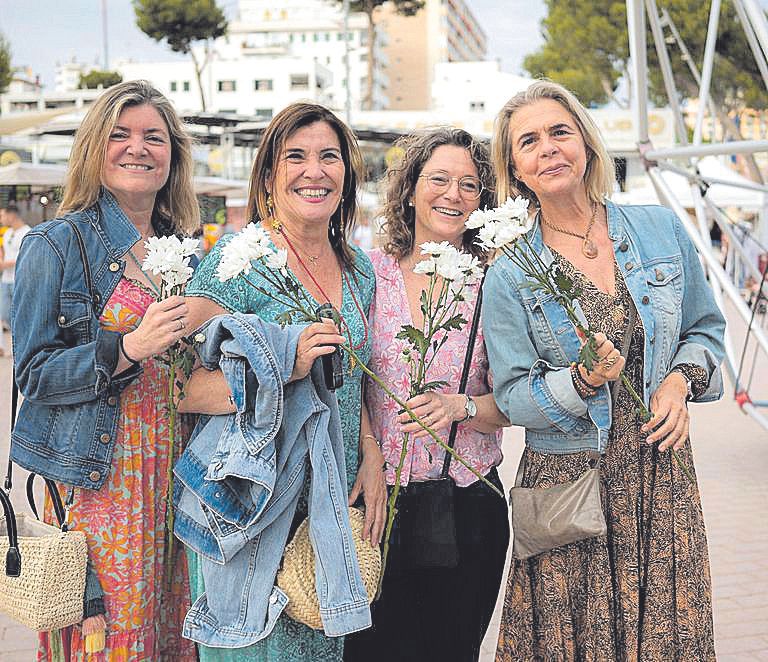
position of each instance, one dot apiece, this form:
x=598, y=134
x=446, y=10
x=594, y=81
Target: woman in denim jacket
x=87, y=362
x=643, y=591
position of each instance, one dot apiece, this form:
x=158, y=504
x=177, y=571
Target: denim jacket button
x=659, y=275
x=62, y=319
x=114, y=266
x=652, y=340
x=111, y=400
x=629, y=266
x=272, y=599
x=94, y=476
x=104, y=439
x=645, y=299
x=623, y=246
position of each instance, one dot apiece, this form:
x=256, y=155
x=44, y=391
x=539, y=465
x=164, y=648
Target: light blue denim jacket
x=531, y=342
x=239, y=483
x=64, y=360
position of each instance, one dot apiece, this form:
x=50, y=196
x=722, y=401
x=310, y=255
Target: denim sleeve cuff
x=694, y=353
x=561, y=385
x=107, y=356
x=549, y=405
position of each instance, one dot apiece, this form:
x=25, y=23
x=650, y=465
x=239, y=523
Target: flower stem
x=169, y=513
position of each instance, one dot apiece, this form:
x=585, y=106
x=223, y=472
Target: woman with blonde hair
x=642, y=591
x=88, y=333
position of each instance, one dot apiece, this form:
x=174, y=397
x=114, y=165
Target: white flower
x=278, y=260
x=436, y=250
x=448, y=265
x=189, y=246
x=516, y=209
x=169, y=256
x=478, y=218
x=235, y=260
x=425, y=267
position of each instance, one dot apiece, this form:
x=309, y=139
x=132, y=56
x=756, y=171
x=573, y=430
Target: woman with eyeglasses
x=438, y=613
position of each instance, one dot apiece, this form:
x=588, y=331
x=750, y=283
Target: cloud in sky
x=45, y=32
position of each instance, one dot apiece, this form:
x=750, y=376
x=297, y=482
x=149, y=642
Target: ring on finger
x=610, y=362
x=182, y=325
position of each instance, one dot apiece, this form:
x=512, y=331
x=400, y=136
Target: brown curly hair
x=401, y=178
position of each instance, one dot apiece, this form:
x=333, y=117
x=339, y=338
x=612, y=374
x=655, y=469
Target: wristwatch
x=470, y=409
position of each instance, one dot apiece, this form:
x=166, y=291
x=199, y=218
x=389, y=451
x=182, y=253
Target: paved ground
x=732, y=463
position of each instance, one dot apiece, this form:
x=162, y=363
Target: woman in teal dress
x=302, y=190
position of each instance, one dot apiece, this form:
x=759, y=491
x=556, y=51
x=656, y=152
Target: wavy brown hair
x=175, y=203
x=600, y=174
x=402, y=177
x=285, y=124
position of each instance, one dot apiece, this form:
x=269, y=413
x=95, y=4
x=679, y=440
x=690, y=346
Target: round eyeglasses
x=470, y=187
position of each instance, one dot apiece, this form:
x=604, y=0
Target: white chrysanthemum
x=189, y=246
x=514, y=209
x=235, y=259
x=425, y=267
x=278, y=260
x=448, y=264
x=478, y=218
x=436, y=250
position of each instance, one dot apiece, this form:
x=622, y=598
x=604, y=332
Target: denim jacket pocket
x=75, y=318
x=665, y=281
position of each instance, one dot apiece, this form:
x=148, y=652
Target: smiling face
x=440, y=216
x=548, y=150
x=308, y=178
x=138, y=157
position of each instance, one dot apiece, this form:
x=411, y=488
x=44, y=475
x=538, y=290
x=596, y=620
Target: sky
x=44, y=32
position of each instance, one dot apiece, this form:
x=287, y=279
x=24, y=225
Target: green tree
x=586, y=48
x=96, y=78
x=368, y=7
x=181, y=23
x=6, y=71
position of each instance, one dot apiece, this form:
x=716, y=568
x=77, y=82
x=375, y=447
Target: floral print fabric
x=643, y=592
x=125, y=520
x=424, y=460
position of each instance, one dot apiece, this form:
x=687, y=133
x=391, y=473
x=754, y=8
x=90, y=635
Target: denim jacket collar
x=118, y=233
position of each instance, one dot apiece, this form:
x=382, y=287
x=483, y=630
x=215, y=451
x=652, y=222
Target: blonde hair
x=402, y=177
x=283, y=126
x=600, y=174
x=175, y=203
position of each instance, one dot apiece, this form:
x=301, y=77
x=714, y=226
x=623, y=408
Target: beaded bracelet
x=582, y=386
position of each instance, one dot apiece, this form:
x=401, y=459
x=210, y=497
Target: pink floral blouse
x=424, y=461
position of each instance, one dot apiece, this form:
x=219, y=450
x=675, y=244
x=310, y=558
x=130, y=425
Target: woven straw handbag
x=43, y=581
x=296, y=578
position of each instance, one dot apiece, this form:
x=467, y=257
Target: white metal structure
x=741, y=259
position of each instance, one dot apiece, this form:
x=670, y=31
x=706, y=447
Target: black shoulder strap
x=465, y=371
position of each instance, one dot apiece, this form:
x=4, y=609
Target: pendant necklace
x=588, y=247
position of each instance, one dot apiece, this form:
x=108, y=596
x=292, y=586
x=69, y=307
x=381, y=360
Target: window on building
x=173, y=86
x=263, y=113
x=477, y=106
x=267, y=15
x=315, y=36
x=226, y=86
x=327, y=36
x=290, y=37
x=283, y=15
x=262, y=84
x=185, y=85
x=303, y=37
x=299, y=81
x=328, y=59
x=227, y=111
x=339, y=36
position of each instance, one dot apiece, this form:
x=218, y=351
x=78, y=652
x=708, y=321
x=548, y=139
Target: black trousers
x=441, y=613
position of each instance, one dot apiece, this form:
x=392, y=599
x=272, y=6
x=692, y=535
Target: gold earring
x=270, y=206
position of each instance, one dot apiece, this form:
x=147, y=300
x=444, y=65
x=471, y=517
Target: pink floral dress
x=125, y=519
x=424, y=460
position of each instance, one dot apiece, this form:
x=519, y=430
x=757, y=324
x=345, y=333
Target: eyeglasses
x=470, y=187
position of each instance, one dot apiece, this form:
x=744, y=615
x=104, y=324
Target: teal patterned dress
x=291, y=641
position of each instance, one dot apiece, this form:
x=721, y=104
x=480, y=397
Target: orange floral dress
x=125, y=519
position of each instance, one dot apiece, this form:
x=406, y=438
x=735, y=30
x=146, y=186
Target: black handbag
x=425, y=518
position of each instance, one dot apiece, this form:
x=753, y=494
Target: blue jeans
x=6, y=294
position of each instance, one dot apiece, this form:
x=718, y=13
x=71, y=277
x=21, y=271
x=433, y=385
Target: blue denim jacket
x=531, y=342
x=63, y=359
x=239, y=483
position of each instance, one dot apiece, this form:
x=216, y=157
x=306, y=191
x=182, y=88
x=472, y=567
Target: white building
x=272, y=57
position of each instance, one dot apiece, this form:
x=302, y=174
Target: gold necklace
x=280, y=229
x=588, y=247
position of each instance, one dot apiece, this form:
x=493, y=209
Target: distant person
x=643, y=591
x=17, y=228
x=95, y=387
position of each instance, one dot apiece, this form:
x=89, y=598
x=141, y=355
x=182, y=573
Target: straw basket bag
x=43, y=579
x=296, y=578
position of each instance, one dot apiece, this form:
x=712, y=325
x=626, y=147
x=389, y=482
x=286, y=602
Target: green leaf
x=414, y=336
x=433, y=386
x=454, y=323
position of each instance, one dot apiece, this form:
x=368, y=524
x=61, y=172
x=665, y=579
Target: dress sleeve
x=236, y=295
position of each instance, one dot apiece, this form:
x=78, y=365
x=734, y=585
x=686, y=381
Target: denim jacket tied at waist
x=240, y=480
x=531, y=342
